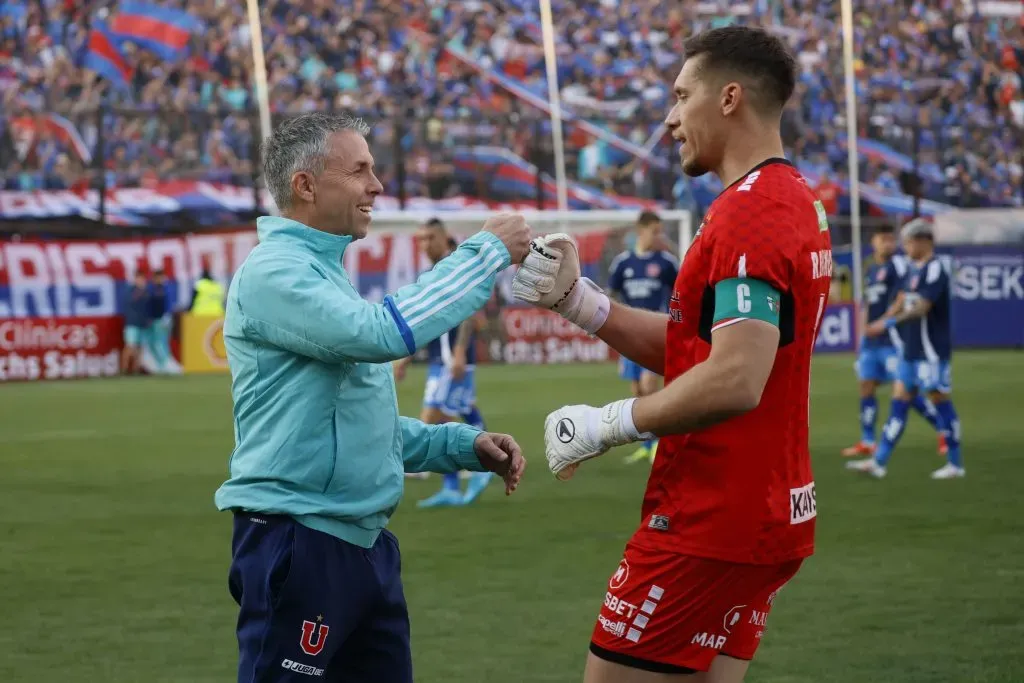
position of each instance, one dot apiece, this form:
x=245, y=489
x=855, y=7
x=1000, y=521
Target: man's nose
x=376, y=187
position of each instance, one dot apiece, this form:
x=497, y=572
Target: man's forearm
x=463, y=334
x=918, y=310
x=451, y=292
x=705, y=395
x=438, y=448
x=637, y=334
x=729, y=383
x=895, y=307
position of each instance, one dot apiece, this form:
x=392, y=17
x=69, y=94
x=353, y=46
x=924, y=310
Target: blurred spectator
x=934, y=64
x=136, y=308
x=158, y=339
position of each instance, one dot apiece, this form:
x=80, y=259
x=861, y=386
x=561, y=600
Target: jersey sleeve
x=671, y=270
x=285, y=301
x=896, y=272
x=751, y=260
x=934, y=282
x=616, y=268
x=443, y=448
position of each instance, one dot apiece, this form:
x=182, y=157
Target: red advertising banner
x=537, y=336
x=34, y=349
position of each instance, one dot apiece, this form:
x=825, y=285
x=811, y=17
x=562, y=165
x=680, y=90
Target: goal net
x=508, y=331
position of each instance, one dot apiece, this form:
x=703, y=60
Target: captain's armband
x=743, y=298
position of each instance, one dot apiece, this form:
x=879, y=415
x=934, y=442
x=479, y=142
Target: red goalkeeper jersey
x=742, y=490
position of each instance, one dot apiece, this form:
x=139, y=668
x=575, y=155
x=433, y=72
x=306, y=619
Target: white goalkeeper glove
x=573, y=434
x=550, y=277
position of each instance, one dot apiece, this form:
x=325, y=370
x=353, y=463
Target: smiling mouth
x=366, y=209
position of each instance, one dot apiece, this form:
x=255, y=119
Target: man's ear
x=732, y=94
x=304, y=186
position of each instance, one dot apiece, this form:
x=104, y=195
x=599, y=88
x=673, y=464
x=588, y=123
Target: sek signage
x=988, y=304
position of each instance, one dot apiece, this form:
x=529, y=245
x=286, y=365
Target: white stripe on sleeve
x=457, y=290
x=486, y=260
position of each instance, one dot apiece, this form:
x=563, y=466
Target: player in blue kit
x=879, y=357
x=450, y=392
x=643, y=278
x=922, y=313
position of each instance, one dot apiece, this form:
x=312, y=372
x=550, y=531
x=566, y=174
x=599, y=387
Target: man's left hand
x=458, y=365
x=875, y=329
x=499, y=453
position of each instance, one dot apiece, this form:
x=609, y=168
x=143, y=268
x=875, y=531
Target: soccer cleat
x=867, y=466
x=477, y=483
x=443, y=498
x=949, y=471
x=943, y=446
x=860, y=449
x=642, y=453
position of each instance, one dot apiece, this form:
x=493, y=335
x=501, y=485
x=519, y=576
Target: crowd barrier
x=60, y=301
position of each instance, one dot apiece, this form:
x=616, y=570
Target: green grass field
x=113, y=560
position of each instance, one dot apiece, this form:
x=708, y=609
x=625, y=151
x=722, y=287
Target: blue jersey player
x=922, y=313
x=879, y=356
x=450, y=392
x=643, y=278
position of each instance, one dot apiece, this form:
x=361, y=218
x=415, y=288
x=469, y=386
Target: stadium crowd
x=929, y=65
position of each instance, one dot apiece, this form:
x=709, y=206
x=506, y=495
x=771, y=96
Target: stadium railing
x=507, y=159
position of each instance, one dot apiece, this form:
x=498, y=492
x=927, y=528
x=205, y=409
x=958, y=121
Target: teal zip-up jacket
x=317, y=430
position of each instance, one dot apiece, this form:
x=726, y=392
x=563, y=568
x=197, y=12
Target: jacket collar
x=276, y=228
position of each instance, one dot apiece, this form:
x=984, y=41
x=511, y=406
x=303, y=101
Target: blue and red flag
x=103, y=55
x=163, y=31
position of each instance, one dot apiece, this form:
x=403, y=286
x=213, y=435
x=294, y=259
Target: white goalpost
x=259, y=64
x=846, y=8
x=554, y=97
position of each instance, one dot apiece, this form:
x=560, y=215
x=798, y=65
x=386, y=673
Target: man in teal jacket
x=320, y=450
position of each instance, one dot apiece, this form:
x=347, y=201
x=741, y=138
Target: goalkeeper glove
x=573, y=434
x=550, y=277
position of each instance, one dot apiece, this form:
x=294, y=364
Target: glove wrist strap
x=588, y=306
x=617, y=426
x=601, y=306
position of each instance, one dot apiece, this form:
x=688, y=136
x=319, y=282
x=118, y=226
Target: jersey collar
x=287, y=230
x=766, y=162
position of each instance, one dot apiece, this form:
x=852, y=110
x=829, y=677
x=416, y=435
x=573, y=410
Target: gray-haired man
x=320, y=449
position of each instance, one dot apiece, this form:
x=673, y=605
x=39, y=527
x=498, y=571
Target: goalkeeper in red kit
x=729, y=511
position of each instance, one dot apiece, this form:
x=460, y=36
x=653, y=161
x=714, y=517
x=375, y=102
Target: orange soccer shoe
x=859, y=450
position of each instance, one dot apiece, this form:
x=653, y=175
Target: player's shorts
x=670, y=613
x=132, y=335
x=315, y=608
x=878, y=363
x=925, y=376
x=631, y=371
x=453, y=397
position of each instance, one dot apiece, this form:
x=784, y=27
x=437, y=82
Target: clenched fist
x=550, y=277
x=514, y=233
